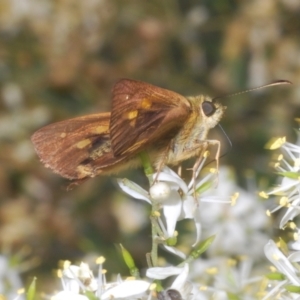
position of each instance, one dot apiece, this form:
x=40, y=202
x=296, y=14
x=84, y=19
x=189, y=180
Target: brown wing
x=142, y=114
x=75, y=147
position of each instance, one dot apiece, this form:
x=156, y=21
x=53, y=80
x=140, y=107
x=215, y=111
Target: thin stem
x=146, y=163
x=154, y=249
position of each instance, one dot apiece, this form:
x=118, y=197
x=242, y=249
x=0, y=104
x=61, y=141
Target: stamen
x=296, y=236
x=234, y=198
x=100, y=260
x=212, y=271
x=263, y=195
x=284, y=201
x=276, y=143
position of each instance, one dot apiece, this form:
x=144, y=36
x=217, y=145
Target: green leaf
x=275, y=276
x=293, y=288
x=129, y=262
x=202, y=247
x=232, y=296
x=292, y=175
x=159, y=287
x=91, y=295
x=30, y=295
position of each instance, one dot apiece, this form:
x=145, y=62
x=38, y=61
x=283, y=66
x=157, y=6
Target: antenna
x=277, y=82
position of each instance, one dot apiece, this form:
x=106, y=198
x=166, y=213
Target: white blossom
x=288, y=189
x=179, y=200
x=284, y=265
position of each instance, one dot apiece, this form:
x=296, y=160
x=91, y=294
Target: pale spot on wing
x=84, y=171
x=131, y=114
x=100, y=129
x=82, y=144
x=63, y=135
x=146, y=103
x=132, y=123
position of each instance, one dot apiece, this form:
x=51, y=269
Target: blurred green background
x=59, y=59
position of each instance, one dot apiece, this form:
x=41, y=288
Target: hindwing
x=76, y=147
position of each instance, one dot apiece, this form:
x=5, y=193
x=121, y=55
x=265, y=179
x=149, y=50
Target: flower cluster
x=285, y=279
x=288, y=190
x=177, y=201
x=172, y=200
x=79, y=283
x=234, y=237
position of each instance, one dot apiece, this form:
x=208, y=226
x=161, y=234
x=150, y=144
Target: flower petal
x=169, y=175
x=71, y=272
x=291, y=213
x=163, y=273
x=189, y=207
x=134, y=190
x=286, y=184
x=198, y=226
x=172, y=210
x=126, y=289
x=294, y=257
x=181, y=279
x=65, y=295
x=281, y=262
x=174, y=251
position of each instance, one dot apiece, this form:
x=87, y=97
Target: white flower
x=180, y=286
x=163, y=272
x=296, y=244
x=178, y=201
x=242, y=225
x=10, y=281
x=67, y=295
x=126, y=290
x=187, y=207
x=288, y=166
x=220, y=276
x=76, y=278
x=79, y=279
x=285, y=266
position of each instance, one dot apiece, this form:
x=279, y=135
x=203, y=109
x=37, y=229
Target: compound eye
x=208, y=108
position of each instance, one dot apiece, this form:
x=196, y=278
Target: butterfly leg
x=162, y=161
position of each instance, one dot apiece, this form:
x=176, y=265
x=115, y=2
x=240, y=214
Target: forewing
x=142, y=114
x=67, y=147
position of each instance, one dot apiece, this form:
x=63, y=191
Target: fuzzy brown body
x=170, y=127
